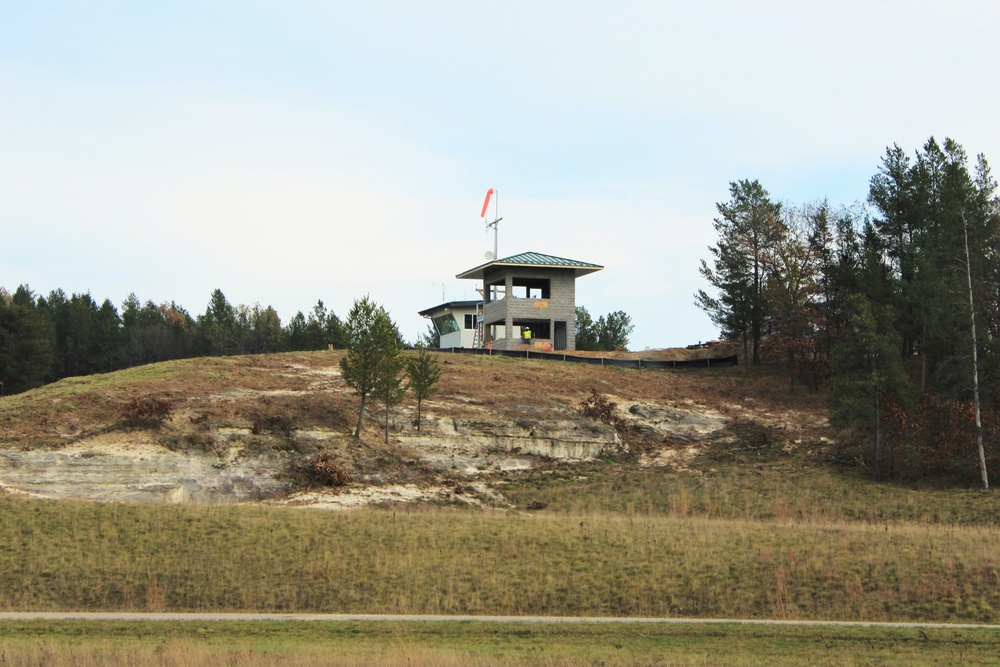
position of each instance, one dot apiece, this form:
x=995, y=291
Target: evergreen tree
x=608, y=333
x=260, y=329
x=389, y=385
x=749, y=228
x=613, y=331
x=25, y=346
x=869, y=374
x=295, y=332
x=373, y=348
x=321, y=329
x=431, y=339
x=107, y=326
x=218, y=330
x=423, y=371
x=586, y=334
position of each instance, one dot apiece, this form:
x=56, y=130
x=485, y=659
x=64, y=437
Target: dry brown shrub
x=325, y=470
x=145, y=412
x=600, y=408
x=274, y=424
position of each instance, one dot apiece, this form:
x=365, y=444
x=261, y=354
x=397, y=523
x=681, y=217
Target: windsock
x=486, y=202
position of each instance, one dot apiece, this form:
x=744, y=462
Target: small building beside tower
x=455, y=322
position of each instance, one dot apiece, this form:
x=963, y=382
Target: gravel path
x=424, y=618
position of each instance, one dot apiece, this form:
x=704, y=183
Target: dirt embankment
x=241, y=425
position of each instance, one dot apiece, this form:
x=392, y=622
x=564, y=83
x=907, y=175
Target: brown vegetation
x=145, y=412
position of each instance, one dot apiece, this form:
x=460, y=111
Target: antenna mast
x=496, y=217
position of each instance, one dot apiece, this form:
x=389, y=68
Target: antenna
x=496, y=218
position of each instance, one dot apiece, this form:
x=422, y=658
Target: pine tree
x=868, y=371
x=749, y=228
x=424, y=371
x=373, y=348
x=25, y=347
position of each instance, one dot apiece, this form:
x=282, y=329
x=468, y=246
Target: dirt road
x=428, y=618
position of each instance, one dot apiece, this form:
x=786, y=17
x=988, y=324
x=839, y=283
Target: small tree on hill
x=424, y=371
x=608, y=333
x=614, y=330
x=430, y=339
x=749, y=226
x=373, y=347
x=389, y=386
x=586, y=335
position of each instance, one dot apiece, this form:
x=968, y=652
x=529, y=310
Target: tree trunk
x=361, y=417
x=791, y=371
x=419, y=401
x=746, y=352
x=975, y=360
x=878, y=436
x=923, y=359
x=387, y=418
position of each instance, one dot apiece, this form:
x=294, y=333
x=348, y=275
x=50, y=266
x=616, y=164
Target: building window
x=532, y=288
x=470, y=321
x=445, y=324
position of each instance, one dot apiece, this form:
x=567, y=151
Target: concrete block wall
x=559, y=307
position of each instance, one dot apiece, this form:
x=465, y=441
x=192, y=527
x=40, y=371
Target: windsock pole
x=496, y=218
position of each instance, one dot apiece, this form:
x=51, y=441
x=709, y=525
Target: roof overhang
x=531, y=261
x=448, y=307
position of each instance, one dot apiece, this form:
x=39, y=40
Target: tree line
x=606, y=334
x=47, y=338
x=881, y=300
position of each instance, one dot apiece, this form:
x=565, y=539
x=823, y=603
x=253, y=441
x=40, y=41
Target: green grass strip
x=307, y=643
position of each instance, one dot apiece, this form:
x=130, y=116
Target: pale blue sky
x=291, y=151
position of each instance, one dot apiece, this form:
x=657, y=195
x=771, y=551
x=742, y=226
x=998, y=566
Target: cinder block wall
x=559, y=307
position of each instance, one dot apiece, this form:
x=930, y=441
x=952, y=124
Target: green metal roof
x=533, y=259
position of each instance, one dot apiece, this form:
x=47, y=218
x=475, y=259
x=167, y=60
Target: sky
x=286, y=152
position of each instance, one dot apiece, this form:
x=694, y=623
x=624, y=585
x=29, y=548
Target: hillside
x=721, y=495
x=240, y=425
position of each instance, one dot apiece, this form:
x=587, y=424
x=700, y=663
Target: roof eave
x=478, y=272
x=449, y=305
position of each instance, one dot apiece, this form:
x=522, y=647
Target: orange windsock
x=486, y=202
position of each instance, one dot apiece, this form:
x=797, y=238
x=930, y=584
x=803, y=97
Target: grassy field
x=775, y=531
x=98, y=644
x=76, y=556
x=785, y=491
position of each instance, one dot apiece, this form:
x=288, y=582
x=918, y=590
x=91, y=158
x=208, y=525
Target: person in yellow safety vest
x=526, y=333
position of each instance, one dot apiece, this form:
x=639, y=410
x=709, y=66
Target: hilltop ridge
x=240, y=425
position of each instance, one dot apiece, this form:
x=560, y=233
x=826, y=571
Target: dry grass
x=70, y=556
x=780, y=489
x=305, y=387
x=759, y=532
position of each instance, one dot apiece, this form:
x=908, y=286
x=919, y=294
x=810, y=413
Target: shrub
x=145, y=412
x=748, y=440
x=184, y=442
x=325, y=470
x=600, y=408
x=936, y=440
x=261, y=423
